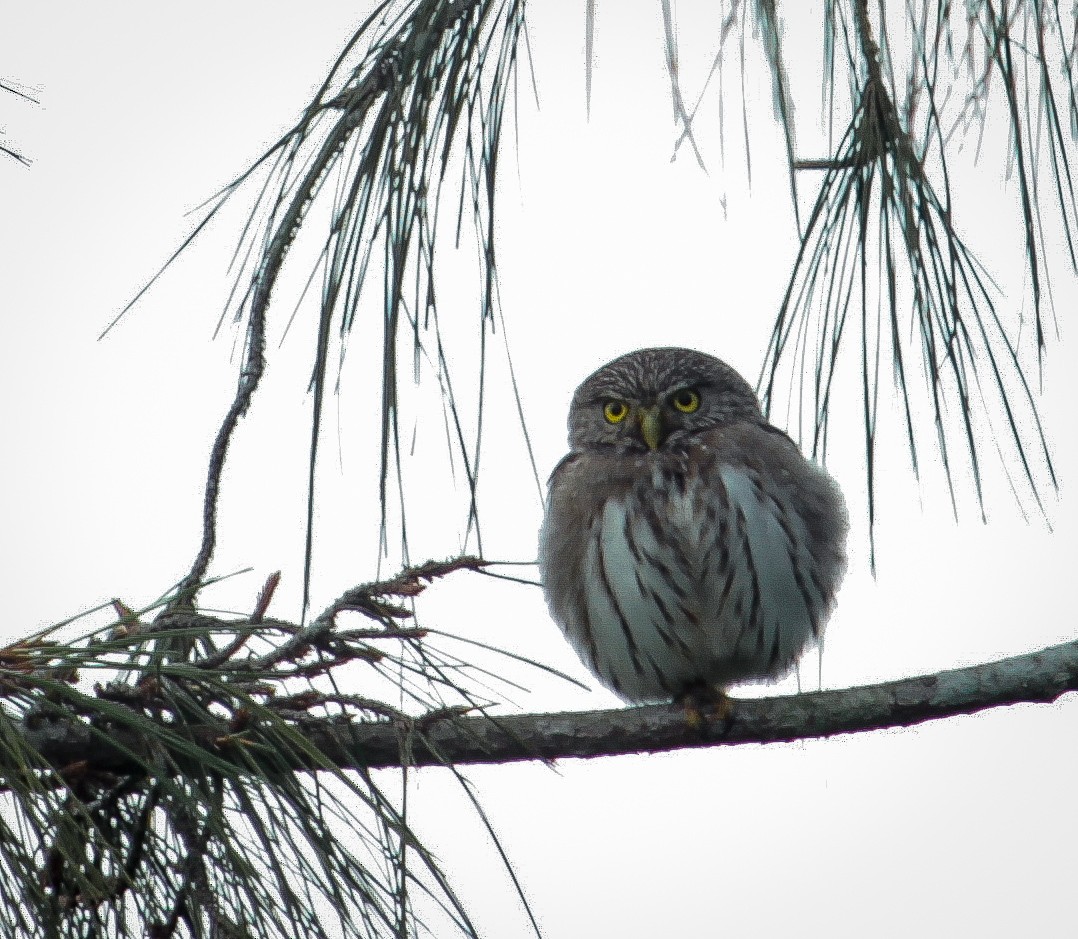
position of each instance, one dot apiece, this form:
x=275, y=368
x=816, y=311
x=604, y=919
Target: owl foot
x=704, y=704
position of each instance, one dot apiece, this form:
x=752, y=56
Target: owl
x=687, y=544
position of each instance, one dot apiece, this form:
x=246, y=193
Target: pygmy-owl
x=687, y=544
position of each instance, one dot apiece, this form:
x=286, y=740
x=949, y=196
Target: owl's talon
x=704, y=704
x=693, y=715
x=721, y=708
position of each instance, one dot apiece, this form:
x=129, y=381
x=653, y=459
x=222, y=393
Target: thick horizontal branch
x=1036, y=677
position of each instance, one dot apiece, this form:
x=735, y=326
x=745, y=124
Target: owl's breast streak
x=697, y=577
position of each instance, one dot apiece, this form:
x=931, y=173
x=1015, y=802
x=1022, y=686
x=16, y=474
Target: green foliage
x=883, y=272
x=188, y=794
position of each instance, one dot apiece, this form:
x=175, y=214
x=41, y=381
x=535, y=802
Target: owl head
x=654, y=399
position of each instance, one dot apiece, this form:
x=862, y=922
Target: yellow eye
x=686, y=400
x=615, y=411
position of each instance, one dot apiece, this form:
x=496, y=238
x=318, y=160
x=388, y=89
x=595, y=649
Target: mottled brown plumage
x=687, y=543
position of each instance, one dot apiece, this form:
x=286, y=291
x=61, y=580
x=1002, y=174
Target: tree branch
x=1037, y=677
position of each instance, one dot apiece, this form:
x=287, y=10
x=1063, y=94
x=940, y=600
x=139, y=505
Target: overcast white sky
x=961, y=827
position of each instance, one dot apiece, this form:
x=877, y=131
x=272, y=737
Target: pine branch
x=20, y=94
x=199, y=724
x=1037, y=677
x=884, y=271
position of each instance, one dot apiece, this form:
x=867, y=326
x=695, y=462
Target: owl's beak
x=651, y=426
